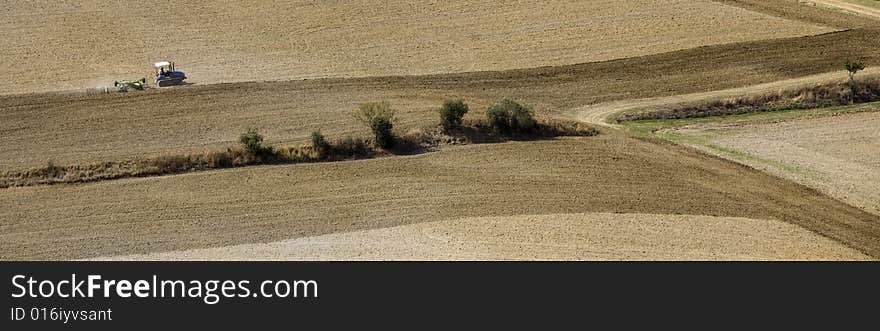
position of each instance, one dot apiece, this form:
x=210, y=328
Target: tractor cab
x=166, y=75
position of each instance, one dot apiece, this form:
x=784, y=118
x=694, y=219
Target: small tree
x=451, y=113
x=349, y=147
x=853, y=68
x=509, y=116
x=499, y=118
x=521, y=119
x=320, y=144
x=252, y=141
x=380, y=118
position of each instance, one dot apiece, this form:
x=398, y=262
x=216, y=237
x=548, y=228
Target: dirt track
x=81, y=129
x=610, y=173
x=68, y=129
x=594, y=236
x=602, y=113
x=84, y=129
x=872, y=11
x=52, y=45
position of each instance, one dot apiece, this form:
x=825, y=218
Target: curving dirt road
x=611, y=173
x=602, y=113
x=852, y=7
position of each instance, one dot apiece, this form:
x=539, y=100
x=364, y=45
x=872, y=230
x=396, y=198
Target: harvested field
x=75, y=45
x=833, y=149
x=77, y=129
x=319, y=149
x=545, y=55
x=607, y=173
x=594, y=236
x=125, y=127
x=839, y=155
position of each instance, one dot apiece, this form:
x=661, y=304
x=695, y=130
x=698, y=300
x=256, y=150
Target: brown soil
x=78, y=128
x=593, y=236
x=52, y=45
x=806, y=11
x=607, y=173
x=610, y=173
x=839, y=155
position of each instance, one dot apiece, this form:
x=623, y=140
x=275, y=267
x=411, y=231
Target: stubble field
x=836, y=154
x=542, y=53
x=609, y=173
x=590, y=236
x=52, y=45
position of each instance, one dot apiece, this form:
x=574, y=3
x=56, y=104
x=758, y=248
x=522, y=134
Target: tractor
x=167, y=76
x=124, y=85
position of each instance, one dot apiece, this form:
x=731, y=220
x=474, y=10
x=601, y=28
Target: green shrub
x=521, y=119
x=380, y=118
x=853, y=67
x=382, y=127
x=508, y=116
x=451, y=113
x=349, y=147
x=320, y=144
x=499, y=119
x=252, y=141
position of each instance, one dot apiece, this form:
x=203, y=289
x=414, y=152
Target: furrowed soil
x=75, y=128
x=839, y=154
x=593, y=236
x=831, y=149
x=541, y=66
x=607, y=173
x=52, y=45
